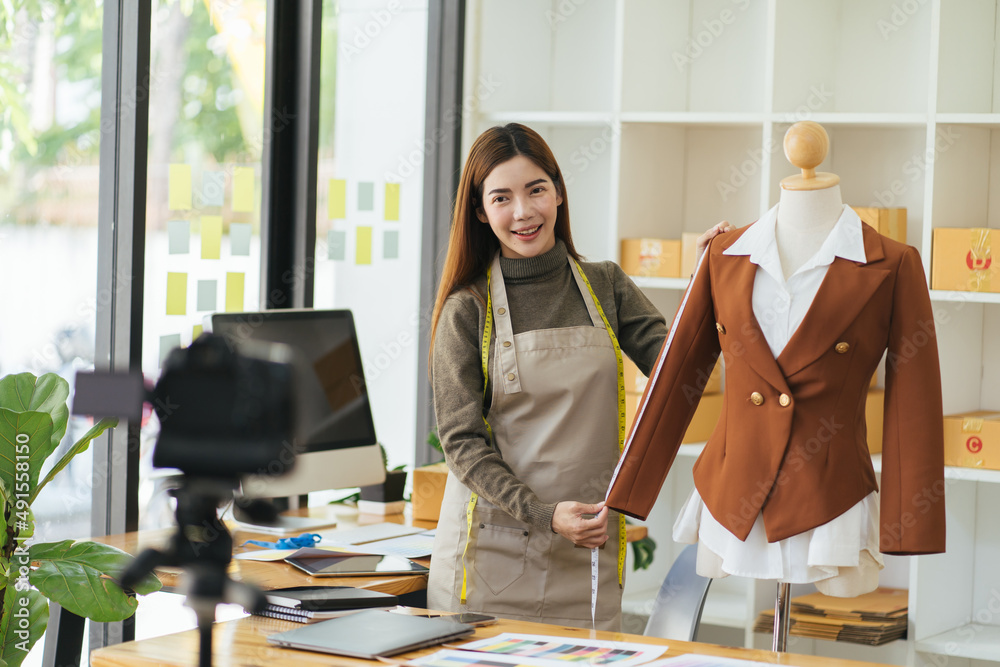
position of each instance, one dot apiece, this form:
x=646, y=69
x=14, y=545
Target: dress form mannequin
x=810, y=203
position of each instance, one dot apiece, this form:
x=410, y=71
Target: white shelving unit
x=667, y=116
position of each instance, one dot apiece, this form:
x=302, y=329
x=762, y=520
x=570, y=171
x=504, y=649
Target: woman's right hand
x=569, y=521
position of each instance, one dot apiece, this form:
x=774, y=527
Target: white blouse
x=841, y=556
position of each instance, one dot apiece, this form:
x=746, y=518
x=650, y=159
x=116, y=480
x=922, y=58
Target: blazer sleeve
x=672, y=394
x=912, y=489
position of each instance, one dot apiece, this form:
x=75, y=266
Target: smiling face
x=519, y=204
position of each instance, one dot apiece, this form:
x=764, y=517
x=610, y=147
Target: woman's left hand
x=719, y=228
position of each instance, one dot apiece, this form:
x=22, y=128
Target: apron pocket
x=501, y=552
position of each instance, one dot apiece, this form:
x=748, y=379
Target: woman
x=530, y=453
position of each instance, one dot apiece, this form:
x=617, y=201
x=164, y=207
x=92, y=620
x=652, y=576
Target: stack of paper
x=873, y=619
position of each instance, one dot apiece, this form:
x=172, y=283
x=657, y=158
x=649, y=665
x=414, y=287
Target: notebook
x=371, y=634
x=329, y=598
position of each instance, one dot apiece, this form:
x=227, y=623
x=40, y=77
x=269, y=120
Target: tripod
x=202, y=546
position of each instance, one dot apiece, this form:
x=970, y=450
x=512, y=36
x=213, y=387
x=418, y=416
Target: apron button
x=506, y=343
x=482, y=525
x=525, y=533
x=501, y=311
x=510, y=376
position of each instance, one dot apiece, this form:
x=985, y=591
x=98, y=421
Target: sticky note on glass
x=366, y=196
x=179, y=187
x=196, y=331
x=234, y=292
x=239, y=238
x=179, y=237
x=213, y=188
x=168, y=343
x=336, y=203
x=392, y=201
x=363, y=250
x=207, y=290
x=177, y=293
x=211, y=236
x=390, y=245
x=336, y=245
x=243, y=181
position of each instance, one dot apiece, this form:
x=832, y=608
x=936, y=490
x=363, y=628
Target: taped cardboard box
x=689, y=253
x=972, y=440
x=889, y=222
x=706, y=416
x=962, y=260
x=428, y=491
x=874, y=419
x=635, y=381
x=651, y=258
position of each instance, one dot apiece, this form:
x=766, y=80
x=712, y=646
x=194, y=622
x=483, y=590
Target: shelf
x=728, y=610
x=550, y=117
x=694, y=118
x=983, y=119
x=692, y=450
x=965, y=297
x=663, y=283
x=848, y=118
x=978, y=642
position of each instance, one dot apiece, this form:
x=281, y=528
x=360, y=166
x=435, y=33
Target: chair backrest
x=680, y=601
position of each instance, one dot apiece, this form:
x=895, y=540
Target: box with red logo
x=962, y=260
x=656, y=258
x=972, y=440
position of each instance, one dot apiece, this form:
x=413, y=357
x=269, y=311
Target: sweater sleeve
x=458, y=406
x=641, y=327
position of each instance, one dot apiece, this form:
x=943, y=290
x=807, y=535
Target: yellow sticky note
x=234, y=292
x=211, y=236
x=392, y=201
x=177, y=284
x=179, y=187
x=363, y=250
x=243, y=181
x=336, y=203
x=196, y=331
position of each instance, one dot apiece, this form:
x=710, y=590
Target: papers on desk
x=364, y=534
x=381, y=539
x=549, y=650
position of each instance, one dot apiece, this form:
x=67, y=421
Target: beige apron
x=555, y=423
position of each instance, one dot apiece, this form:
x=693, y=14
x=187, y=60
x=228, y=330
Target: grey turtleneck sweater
x=542, y=294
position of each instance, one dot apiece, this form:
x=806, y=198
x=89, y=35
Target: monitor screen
x=332, y=397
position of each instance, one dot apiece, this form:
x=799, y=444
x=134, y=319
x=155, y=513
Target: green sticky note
x=178, y=237
x=243, y=182
x=211, y=236
x=336, y=245
x=168, y=343
x=366, y=196
x=336, y=203
x=177, y=293
x=390, y=245
x=392, y=201
x=206, y=295
x=213, y=188
x=196, y=331
x=234, y=292
x=363, y=250
x=179, y=187
x=239, y=238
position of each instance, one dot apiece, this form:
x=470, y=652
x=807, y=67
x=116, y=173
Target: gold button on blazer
x=805, y=463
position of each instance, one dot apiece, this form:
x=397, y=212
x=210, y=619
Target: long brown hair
x=472, y=244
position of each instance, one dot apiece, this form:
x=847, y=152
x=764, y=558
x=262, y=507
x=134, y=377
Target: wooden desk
x=243, y=642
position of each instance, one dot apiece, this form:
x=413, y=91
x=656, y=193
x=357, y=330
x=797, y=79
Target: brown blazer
x=791, y=441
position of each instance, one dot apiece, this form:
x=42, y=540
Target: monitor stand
x=279, y=524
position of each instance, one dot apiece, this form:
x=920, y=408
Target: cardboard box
x=635, y=381
x=704, y=420
x=889, y=222
x=428, y=491
x=972, y=440
x=689, y=253
x=874, y=418
x=631, y=406
x=659, y=258
x=962, y=259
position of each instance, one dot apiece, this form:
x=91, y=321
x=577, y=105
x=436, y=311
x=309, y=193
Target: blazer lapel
x=845, y=291
x=743, y=337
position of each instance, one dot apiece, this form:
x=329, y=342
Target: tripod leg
x=782, y=616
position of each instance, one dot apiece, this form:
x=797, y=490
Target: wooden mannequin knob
x=806, y=146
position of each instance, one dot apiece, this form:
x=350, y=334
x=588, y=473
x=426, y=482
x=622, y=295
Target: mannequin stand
x=782, y=617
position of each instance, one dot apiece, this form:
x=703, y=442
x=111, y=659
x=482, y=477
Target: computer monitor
x=339, y=448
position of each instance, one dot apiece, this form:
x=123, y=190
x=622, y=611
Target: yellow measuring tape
x=484, y=354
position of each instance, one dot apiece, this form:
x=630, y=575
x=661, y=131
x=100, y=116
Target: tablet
x=356, y=566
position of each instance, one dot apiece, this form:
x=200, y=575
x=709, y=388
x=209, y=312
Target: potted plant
x=391, y=490
x=79, y=575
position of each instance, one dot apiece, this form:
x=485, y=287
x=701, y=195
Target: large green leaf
x=25, y=612
x=81, y=445
x=24, y=392
x=33, y=429
x=78, y=575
